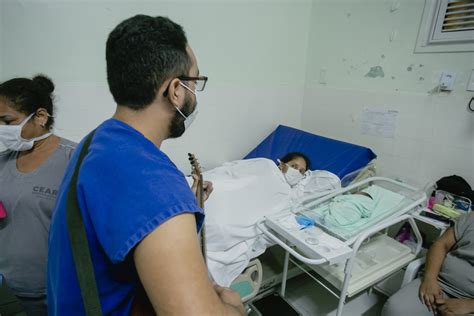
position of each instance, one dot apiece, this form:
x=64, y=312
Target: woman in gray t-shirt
x=31, y=171
x=447, y=287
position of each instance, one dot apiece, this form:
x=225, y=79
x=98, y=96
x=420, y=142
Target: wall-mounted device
x=446, y=82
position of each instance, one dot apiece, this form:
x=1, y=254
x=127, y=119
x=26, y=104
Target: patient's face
x=297, y=163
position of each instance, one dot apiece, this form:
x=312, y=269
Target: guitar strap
x=79, y=245
x=81, y=252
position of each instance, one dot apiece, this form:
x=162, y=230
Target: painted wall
x=253, y=52
x=435, y=132
x=300, y=63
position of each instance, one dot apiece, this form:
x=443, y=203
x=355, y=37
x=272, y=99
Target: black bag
x=456, y=185
x=9, y=304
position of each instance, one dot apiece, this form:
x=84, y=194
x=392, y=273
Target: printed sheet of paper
x=379, y=123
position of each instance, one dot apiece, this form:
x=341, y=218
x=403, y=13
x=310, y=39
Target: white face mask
x=293, y=176
x=188, y=120
x=10, y=136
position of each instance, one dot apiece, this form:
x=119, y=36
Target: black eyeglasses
x=200, y=82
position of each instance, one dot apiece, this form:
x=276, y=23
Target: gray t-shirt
x=457, y=273
x=29, y=200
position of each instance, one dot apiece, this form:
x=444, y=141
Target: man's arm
x=429, y=289
x=172, y=271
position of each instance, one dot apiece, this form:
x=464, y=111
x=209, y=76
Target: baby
x=348, y=209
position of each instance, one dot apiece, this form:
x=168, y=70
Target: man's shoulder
x=118, y=146
x=117, y=136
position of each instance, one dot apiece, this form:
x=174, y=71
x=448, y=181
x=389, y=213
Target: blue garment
x=127, y=187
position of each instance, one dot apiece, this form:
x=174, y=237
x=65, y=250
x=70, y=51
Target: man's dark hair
x=142, y=52
x=290, y=156
x=28, y=95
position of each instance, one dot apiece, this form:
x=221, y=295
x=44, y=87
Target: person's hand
x=283, y=167
x=207, y=188
x=206, y=185
x=429, y=292
x=230, y=297
x=455, y=306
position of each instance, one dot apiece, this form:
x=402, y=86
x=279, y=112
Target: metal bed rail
x=349, y=262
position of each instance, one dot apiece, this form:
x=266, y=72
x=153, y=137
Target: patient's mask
x=188, y=120
x=10, y=136
x=292, y=176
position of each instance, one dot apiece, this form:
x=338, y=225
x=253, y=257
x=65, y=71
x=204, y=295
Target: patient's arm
x=173, y=273
x=429, y=289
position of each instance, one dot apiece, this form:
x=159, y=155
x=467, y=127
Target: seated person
x=447, y=287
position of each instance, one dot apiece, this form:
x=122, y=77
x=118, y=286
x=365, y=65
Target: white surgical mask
x=188, y=120
x=10, y=136
x=293, y=176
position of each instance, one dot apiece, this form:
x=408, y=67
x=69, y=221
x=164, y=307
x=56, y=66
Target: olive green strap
x=79, y=245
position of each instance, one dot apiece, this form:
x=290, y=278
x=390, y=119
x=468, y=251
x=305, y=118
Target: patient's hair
x=290, y=156
x=142, y=52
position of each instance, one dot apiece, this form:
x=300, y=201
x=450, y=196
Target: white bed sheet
x=244, y=192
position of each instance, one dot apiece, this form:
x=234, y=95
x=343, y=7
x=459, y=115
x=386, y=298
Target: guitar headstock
x=196, y=168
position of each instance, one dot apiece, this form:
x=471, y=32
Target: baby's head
x=364, y=194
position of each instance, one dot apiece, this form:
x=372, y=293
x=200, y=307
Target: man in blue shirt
x=140, y=216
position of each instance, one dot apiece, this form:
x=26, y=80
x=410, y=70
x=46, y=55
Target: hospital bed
x=349, y=162
x=348, y=261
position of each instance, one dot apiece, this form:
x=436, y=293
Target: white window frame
x=430, y=39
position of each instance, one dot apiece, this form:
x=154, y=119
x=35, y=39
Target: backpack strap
x=79, y=245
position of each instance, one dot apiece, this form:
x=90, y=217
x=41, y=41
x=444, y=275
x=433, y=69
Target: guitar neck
x=200, y=193
x=200, y=200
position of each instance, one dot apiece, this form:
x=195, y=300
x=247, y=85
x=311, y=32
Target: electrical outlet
x=446, y=82
x=470, y=83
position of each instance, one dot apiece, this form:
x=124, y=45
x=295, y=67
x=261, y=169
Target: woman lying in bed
x=244, y=191
x=295, y=167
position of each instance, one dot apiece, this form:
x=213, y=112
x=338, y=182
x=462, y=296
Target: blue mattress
x=325, y=153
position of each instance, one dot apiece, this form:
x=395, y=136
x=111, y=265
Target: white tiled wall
x=434, y=133
x=254, y=53
x=264, y=60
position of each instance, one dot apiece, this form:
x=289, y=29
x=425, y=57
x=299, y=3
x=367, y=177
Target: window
x=447, y=26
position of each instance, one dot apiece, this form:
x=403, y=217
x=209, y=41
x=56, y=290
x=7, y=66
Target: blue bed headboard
x=329, y=154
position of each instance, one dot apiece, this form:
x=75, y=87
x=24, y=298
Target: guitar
x=141, y=305
x=196, y=170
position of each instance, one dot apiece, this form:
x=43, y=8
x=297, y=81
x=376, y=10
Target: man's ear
x=176, y=93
